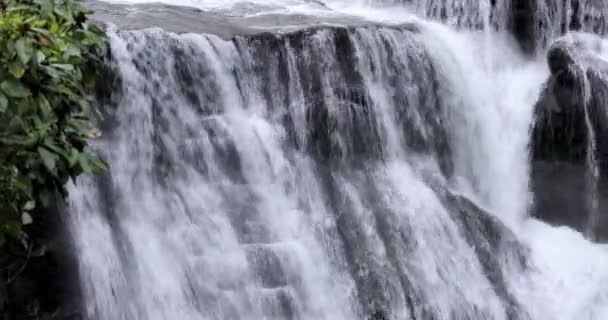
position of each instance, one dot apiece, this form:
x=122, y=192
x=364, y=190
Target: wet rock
x=494, y=244
x=571, y=120
x=560, y=131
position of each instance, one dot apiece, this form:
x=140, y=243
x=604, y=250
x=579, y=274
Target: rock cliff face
x=570, y=136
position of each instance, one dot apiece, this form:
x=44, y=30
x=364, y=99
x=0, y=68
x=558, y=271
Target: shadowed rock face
x=570, y=137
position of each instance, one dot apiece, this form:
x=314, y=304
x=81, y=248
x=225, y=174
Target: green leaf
x=83, y=161
x=40, y=57
x=3, y=103
x=72, y=51
x=73, y=157
x=18, y=141
x=50, y=144
x=63, y=66
x=24, y=184
x=15, y=89
x=52, y=72
x=25, y=50
x=29, y=206
x=100, y=165
x=80, y=126
x=2, y=239
x=26, y=219
x=46, y=196
x=48, y=159
x=17, y=69
x=45, y=108
x=85, y=105
x=20, y=8
x=13, y=228
x=46, y=7
x=43, y=31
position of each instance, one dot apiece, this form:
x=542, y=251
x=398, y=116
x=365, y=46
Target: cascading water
x=479, y=14
x=333, y=172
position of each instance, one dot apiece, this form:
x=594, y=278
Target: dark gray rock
x=493, y=243
x=571, y=120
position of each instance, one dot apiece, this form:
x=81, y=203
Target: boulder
x=569, y=142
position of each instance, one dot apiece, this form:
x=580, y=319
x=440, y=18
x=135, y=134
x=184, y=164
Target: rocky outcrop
x=570, y=137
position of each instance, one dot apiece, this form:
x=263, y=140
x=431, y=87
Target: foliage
x=45, y=78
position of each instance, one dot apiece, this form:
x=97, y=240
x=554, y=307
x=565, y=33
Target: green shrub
x=47, y=70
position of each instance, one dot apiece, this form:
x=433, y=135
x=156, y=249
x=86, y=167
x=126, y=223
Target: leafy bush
x=46, y=73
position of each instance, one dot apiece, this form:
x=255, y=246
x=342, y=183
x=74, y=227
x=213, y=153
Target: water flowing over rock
x=263, y=154
x=295, y=159
x=554, y=18
x=535, y=23
x=469, y=13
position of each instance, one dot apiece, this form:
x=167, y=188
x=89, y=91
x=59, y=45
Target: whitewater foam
x=201, y=245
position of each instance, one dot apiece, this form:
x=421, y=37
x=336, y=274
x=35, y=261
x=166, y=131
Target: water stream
x=369, y=172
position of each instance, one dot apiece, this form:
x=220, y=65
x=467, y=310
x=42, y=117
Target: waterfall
x=375, y=171
x=469, y=13
x=535, y=22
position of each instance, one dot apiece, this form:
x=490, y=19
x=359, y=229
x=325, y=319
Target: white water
x=569, y=277
x=378, y=10
x=175, y=258
x=258, y=6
